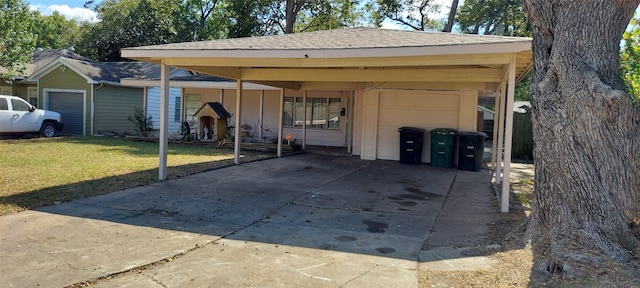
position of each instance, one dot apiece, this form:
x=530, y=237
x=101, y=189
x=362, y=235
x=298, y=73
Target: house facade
x=395, y=78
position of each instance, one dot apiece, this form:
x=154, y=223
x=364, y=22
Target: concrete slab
x=232, y=263
x=454, y=259
x=305, y=220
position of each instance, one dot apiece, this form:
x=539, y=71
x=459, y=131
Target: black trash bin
x=470, y=150
x=411, y=140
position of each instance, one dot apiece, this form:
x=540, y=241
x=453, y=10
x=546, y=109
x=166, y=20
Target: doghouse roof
x=212, y=109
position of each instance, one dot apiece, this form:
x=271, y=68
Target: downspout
x=93, y=106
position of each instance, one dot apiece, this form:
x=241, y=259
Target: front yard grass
x=39, y=172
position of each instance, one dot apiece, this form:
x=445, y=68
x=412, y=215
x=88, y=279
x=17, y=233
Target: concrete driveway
x=299, y=221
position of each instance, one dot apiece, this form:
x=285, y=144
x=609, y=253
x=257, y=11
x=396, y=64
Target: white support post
x=236, y=148
x=501, y=133
x=506, y=183
x=304, y=115
x=349, y=121
x=494, y=141
x=164, y=121
x=280, y=121
x=261, y=112
x=222, y=97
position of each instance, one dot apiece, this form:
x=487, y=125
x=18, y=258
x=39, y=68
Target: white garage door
x=70, y=106
x=422, y=109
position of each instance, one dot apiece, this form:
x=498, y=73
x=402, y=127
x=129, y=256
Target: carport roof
x=343, y=39
x=349, y=55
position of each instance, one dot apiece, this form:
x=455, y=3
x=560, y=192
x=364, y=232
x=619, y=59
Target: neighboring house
x=487, y=120
x=89, y=95
x=21, y=86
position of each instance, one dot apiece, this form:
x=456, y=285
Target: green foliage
x=493, y=17
x=328, y=15
x=141, y=123
x=630, y=58
x=56, y=32
x=17, y=42
x=411, y=13
x=523, y=89
x=243, y=18
x=199, y=20
x=130, y=23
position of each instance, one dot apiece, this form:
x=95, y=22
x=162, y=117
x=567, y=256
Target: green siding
x=113, y=105
x=68, y=79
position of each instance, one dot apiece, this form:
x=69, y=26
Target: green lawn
x=39, y=172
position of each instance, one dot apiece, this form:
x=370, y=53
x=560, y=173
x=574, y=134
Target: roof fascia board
x=431, y=60
x=481, y=48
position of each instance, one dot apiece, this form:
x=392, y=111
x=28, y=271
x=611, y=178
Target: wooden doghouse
x=213, y=121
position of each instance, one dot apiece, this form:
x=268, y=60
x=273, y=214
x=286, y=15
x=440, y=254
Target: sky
x=72, y=9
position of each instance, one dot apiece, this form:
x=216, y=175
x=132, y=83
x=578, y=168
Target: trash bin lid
x=472, y=134
x=444, y=131
x=410, y=129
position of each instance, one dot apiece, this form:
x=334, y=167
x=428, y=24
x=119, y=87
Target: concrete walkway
x=299, y=221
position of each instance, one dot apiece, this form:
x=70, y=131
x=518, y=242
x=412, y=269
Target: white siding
x=153, y=108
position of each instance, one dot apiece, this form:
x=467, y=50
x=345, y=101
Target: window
x=192, y=103
x=176, y=110
x=322, y=113
x=19, y=105
x=3, y=104
x=33, y=96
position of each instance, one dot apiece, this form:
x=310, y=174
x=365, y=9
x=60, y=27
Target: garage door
x=423, y=109
x=70, y=106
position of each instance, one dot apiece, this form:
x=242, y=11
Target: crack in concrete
x=446, y=197
x=155, y=280
x=52, y=254
x=359, y=276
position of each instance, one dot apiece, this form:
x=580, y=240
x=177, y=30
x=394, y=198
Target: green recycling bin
x=442, y=147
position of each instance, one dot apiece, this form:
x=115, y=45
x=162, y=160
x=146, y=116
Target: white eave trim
x=195, y=84
x=482, y=48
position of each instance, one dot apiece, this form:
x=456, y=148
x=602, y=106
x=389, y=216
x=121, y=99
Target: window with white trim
x=322, y=113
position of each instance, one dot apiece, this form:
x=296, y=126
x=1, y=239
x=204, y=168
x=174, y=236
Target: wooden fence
x=522, y=147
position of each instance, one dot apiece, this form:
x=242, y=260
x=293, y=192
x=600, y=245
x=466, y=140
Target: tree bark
x=291, y=12
x=452, y=16
x=586, y=212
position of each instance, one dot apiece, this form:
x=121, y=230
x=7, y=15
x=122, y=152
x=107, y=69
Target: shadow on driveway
x=375, y=213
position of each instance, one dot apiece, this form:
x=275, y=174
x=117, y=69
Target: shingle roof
x=43, y=57
x=209, y=107
x=112, y=71
x=346, y=38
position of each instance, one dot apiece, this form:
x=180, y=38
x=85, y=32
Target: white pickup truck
x=18, y=116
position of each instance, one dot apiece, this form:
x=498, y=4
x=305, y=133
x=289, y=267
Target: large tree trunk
x=452, y=16
x=586, y=214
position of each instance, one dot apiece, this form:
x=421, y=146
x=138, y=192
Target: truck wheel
x=48, y=130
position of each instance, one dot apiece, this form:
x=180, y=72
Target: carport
x=410, y=66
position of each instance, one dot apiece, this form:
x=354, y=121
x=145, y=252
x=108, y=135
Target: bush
x=141, y=123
